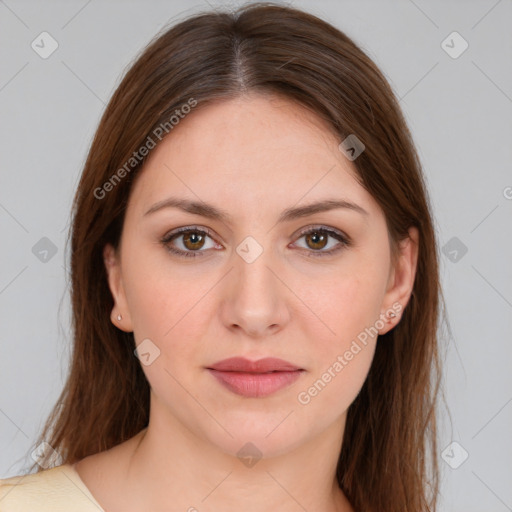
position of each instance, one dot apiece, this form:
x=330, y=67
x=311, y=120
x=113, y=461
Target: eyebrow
x=212, y=212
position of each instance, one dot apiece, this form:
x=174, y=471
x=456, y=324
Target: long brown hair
x=388, y=459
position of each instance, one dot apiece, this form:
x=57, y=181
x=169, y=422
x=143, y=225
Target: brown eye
x=316, y=240
x=192, y=240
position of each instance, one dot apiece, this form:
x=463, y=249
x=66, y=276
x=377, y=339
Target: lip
x=241, y=364
x=255, y=379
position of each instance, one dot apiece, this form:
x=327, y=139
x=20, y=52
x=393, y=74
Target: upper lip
x=267, y=364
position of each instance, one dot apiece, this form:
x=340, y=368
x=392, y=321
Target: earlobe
x=401, y=282
x=119, y=315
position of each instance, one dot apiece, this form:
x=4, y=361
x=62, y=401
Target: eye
x=317, y=238
x=192, y=241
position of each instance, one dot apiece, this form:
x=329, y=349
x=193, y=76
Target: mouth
x=255, y=379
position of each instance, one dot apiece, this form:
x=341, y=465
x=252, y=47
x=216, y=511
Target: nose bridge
x=256, y=302
x=253, y=264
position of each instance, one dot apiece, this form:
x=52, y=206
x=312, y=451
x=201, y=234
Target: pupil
x=193, y=238
x=317, y=238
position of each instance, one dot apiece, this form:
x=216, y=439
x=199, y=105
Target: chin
x=260, y=434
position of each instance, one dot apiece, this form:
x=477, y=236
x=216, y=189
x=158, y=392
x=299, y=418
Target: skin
x=253, y=156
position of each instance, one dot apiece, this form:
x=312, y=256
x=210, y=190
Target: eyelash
x=345, y=241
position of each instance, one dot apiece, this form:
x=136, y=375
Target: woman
x=254, y=284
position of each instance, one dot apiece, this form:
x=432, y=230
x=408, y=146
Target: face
x=311, y=288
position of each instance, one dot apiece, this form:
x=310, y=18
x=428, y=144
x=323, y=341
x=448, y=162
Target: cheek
x=347, y=305
x=170, y=311
x=341, y=356
x=171, y=308
x=330, y=392
x=160, y=296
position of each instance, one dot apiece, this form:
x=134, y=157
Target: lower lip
x=255, y=385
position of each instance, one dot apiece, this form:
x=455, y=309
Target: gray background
x=459, y=110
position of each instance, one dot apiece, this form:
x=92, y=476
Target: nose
x=255, y=299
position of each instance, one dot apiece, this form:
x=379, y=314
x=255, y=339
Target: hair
x=388, y=459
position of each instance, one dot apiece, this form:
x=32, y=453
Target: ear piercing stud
x=119, y=317
x=391, y=314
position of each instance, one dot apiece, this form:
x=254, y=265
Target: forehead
x=249, y=151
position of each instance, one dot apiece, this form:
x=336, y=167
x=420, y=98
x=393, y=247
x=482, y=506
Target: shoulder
x=56, y=489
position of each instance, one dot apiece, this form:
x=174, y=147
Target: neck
x=176, y=467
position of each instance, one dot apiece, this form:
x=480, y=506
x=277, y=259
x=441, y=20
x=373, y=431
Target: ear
x=401, y=281
x=115, y=282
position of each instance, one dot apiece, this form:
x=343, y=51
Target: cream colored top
x=58, y=489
